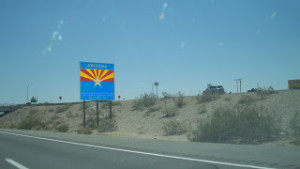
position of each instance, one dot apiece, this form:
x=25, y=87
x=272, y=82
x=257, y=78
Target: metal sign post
x=97, y=110
x=84, y=113
x=110, y=109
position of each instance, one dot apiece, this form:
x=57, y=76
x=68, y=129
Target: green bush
x=33, y=111
x=237, y=125
x=263, y=92
x=179, y=100
x=295, y=125
x=246, y=100
x=207, y=98
x=87, y=130
x=63, y=128
x=170, y=111
x=32, y=123
x=63, y=108
x=173, y=128
x=152, y=109
x=91, y=122
x=202, y=109
x=166, y=95
x=106, y=125
x=145, y=101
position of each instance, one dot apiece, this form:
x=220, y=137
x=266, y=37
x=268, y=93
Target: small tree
x=295, y=125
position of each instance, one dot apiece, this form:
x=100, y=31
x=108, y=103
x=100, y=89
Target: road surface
x=21, y=149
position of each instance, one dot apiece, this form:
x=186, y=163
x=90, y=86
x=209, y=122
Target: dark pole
x=97, y=106
x=110, y=110
x=237, y=86
x=240, y=85
x=83, y=113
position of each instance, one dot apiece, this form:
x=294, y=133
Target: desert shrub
x=207, y=97
x=239, y=125
x=170, y=111
x=152, y=109
x=246, y=100
x=69, y=114
x=91, y=122
x=295, y=125
x=63, y=108
x=173, y=128
x=32, y=123
x=106, y=104
x=179, y=100
x=87, y=130
x=166, y=95
x=263, y=92
x=145, y=101
x=51, y=110
x=33, y=111
x=9, y=125
x=106, y=125
x=63, y=128
x=202, y=109
x=227, y=99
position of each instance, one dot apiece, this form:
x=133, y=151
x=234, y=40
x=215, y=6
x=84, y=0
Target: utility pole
x=237, y=85
x=27, y=91
x=156, y=85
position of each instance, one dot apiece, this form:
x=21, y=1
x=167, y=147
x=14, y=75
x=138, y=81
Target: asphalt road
x=35, y=150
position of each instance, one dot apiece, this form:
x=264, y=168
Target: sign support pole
x=110, y=109
x=83, y=113
x=97, y=109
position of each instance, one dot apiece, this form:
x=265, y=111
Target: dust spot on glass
x=273, y=15
x=104, y=18
x=221, y=43
x=193, y=19
x=163, y=9
x=182, y=44
x=55, y=36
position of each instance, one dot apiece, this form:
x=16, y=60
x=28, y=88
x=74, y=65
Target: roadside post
x=97, y=109
x=83, y=113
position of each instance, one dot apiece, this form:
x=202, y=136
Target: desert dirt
x=140, y=124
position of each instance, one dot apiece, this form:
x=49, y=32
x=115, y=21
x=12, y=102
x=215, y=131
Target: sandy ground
x=137, y=124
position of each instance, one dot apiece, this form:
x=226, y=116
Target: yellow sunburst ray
x=104, y=73
x=86, y=76
x=91, y=73
x=108, y=77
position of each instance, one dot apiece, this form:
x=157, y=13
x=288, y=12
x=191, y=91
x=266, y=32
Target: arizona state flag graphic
x=97, y=81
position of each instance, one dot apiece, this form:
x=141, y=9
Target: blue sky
x=184, y=45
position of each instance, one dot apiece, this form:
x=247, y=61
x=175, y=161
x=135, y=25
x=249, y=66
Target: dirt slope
x=148, y=124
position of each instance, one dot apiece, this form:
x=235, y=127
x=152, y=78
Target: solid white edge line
x=144, y=153
x=16, y=164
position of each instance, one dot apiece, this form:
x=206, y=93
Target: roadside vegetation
x=170, y=111
x=207, y=97
x=295, y=126
x=173, y=128
x=63, y=128
x=32, y=123
x=237, y=125
x=144, y=101
x=62, y=108
x=264, y=92
x=179, y=100
x=86, y=130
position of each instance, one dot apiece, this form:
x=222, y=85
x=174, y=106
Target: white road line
x=16, y=164
x=143, y=153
